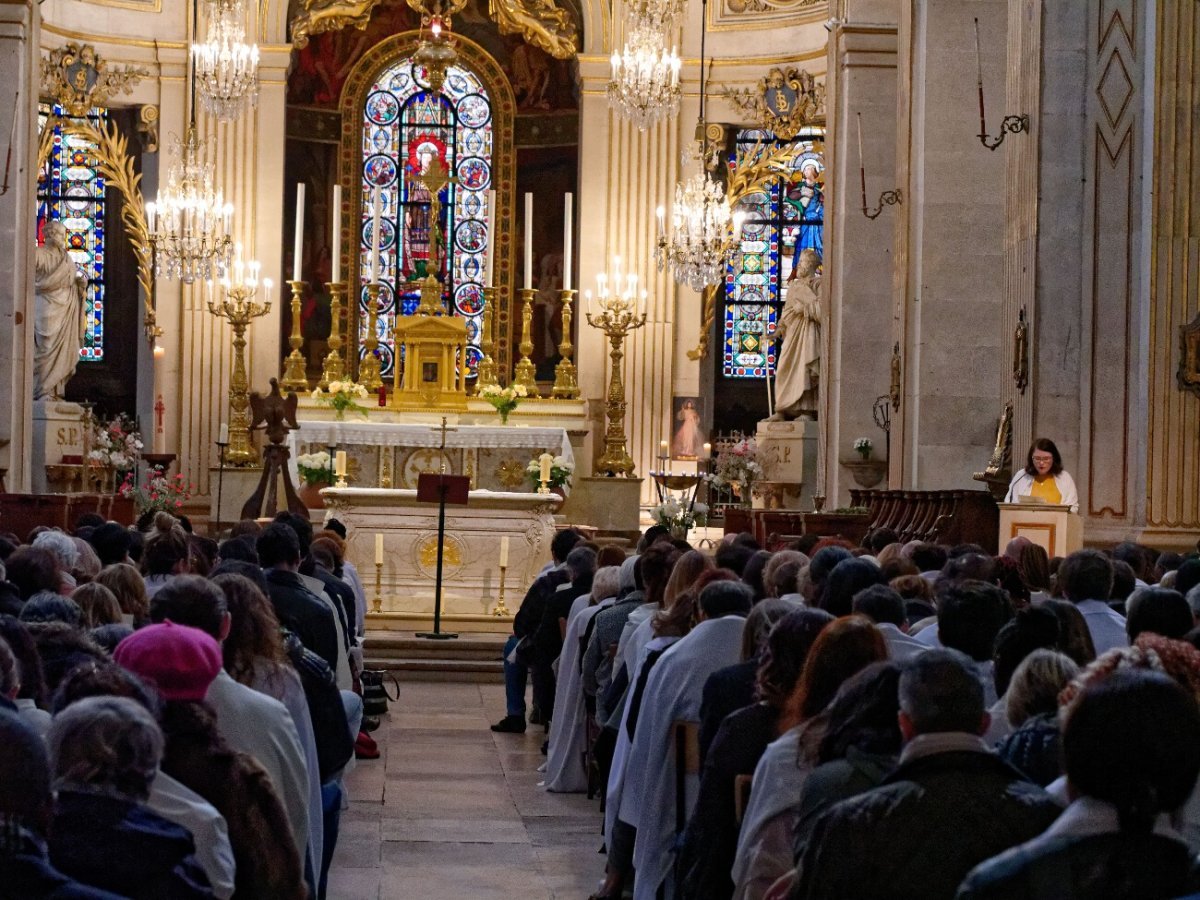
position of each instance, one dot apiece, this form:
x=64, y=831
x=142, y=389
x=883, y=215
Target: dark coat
x=343, y=599
x=10, y=599
x=1097, y=867
x=1034, y=749
x=26, y=873
x=533, y=606
x=548, y=638
x=304, y=614
x=121, y=846
x=726, y=691
x=917, y=835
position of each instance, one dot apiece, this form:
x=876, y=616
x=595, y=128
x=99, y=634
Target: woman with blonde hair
x=98, y=604
x=128, y=586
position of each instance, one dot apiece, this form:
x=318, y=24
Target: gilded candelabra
x=294, y=376
x=566, y=387
x=368, y=368
x=487, y=363
x=501, y=609
x=617, y=317
x=526, y=373
x=335, y=364
x=240, y=309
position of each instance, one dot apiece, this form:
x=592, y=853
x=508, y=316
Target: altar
x=471, y=567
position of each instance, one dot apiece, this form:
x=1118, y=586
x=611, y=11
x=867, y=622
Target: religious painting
x=688, y=435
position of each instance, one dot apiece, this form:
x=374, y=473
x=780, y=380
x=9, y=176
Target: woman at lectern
x=1044, y=478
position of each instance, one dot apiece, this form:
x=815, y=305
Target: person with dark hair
x=30, y=698
x=970, y=615
x=300, y=525
x=1124, y=584
x=1160, y=611
x=32, y=570
x=126, y=584
x=239, y=548
x=1139, y=559
x=820, y=565
x=62, y=647
x=326, y=557
x=845, y=580
x=548, y=636
x=1043, y=479
x=884, y=606
x=1129, y=749
x=1032, y=628
x=950, y=804
x=603, y=638
x=710, y=841
x=878, y=538
x=45, y=606
x=111, y=542
x=252, y=529
x=1086, y=579
x=929, y=559
x=1187, y=576
x=166, y=553
x=298, y=609
x=753, y=574
x=734, y=557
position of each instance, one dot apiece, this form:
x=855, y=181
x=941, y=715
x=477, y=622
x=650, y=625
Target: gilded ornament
x=784, y=102
x=423, y=461
x=318, y=16
x=510, y=473
x=540, y=22
x=1021, y=353
x=1189, y=361
x=78, y=78
x=147, y=126
x=452, y=556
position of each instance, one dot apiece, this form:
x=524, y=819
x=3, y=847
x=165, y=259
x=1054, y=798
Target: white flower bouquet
x=341, y=396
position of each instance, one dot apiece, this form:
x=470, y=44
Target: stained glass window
x=71, y=190
x=780, y=221
x=406, y=126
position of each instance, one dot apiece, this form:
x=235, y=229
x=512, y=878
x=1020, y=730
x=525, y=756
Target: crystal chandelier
x=700, y=218
x=644, y=86
x=226, y=66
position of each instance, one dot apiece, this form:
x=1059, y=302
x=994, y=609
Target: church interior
x=648, y=296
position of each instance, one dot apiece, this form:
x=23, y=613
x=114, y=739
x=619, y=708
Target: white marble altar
x=471, y=573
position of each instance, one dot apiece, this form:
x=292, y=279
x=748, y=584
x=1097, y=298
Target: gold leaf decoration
x=539, y=22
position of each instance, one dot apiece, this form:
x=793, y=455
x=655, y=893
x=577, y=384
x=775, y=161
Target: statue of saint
x=59, y=323
x=799, y=326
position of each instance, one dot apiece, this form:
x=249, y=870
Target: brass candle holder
x=566, y=386
x=294, y=376
x=239, y=308
x=334, y=368
x=368, y=368
x=525, y=373
x=501, y=609
x=377, y=602
x=486, y=370
x=617, y=317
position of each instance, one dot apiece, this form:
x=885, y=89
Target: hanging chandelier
x=226, y=66
x=644, y=86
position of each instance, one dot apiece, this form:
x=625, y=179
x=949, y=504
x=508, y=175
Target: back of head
x=87, y=563
x=111, y=542
x=32, y=569
x=166, y=548
x=656, y=565
x=106, y=743
x=606, y=583
x=970, y=615
x=104, y=680
x=300, y=525
x=581, y=563
x=1160, y=611
x=1030, y=629
x=845, y=647
x=1086, y=575
x=754, y=574
x=688, y=567
x=1187, y=576
x=881, y=604
x=193, y=601
x=254, y=633
x=878, y=538
x=862, y=715
x=787, y=648
x=1074, y=638
x=97, y=604
x=88, y=520
x=824, y=561
x=1124, y=581
x=652, y=534
x=61, y=545
x=779, y=577
x=245, y=569
x=1139, y=559
x=1130, y=739
x=251, y=529
x=62, y=647
x=1033, y=563
x=939, y=692
x=929, y=557
x=1036, y=684
x=240, y=548
x=277, y=545
x=25, y=799
x=761, y=619
x=1193, y=601
x=29, y=663
x=847, y=578
x=734, y=556
x=725, y=598
x=128, y=586
x=563, y=543
x=968, y=567
x=47, y=607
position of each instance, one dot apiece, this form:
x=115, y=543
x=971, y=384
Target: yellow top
x=1045, y=489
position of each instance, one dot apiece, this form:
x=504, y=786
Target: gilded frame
x=504, y=107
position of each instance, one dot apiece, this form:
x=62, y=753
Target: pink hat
x=181, y=662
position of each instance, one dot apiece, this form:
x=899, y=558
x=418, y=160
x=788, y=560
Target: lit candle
x=339, y=464
x=337, y=233
x=493, y=233
x=375, y=211
x=504, y=552
x=267, y=285
x=707, y=452
x=223, y=434
x=298, y=245
x=568, y=233
x=663, y=448
x=662, y=221
x=545, y=461
x=379, y=549
x=159, y=352
x=529, y=241
x=979, y=80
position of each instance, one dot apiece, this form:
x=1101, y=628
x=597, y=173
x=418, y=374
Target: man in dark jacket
x=548, y=638
x=297, y=608
x=950, y=804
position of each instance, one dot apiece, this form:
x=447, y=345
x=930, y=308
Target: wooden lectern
x=1054, y=527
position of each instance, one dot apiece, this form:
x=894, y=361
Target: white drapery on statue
x=800, y=327
x=59, y=322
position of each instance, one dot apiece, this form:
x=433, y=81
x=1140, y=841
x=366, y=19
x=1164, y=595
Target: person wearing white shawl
x=564, y=768
x=673, y=693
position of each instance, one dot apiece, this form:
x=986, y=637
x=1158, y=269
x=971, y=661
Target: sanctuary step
x=475, y=657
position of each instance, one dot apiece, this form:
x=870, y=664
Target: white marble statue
x=799, y=326
x=59, y=323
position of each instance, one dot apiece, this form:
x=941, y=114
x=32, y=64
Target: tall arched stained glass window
x=406, y=126
x=780, y=221
x=71, y=190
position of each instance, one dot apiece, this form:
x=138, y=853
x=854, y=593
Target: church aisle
x=451, y=810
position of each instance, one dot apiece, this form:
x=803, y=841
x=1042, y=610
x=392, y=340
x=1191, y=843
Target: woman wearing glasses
x=1044, y=478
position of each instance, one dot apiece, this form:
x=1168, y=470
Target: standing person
x=1044, y=478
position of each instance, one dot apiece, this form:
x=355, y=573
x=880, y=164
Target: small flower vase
x=503, y=416
x=865, y=453
x=339, y=414
x=679, y=532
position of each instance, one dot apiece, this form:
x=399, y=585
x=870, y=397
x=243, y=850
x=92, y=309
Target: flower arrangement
x=114, y=444
x=561, y=471
x=158, y=492
x=863, y=447
x=679, y=518
x=342, y=396
x=315, y=468
x=503, y=399
x=737, y=466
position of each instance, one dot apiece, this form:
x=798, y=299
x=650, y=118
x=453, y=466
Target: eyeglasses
x=1037, y=458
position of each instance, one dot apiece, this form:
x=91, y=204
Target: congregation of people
x=176, y=715
x=890, y=720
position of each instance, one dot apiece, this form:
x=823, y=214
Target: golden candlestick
x=377, y=602
x=368, y=367
x=239, y=308
x=525, y=373
x=294, y=376
x=501, y=609
x=566, y=387
x=487, y=364
x=617, y=318
x=335, y=364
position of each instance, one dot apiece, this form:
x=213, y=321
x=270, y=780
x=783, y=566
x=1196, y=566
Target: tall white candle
x=568, y=233
x=375, y=211
x=337, y=233
x=298, y=245
x=493, y=236
x=504, y=552
x=223, y=434
x=529, y=241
